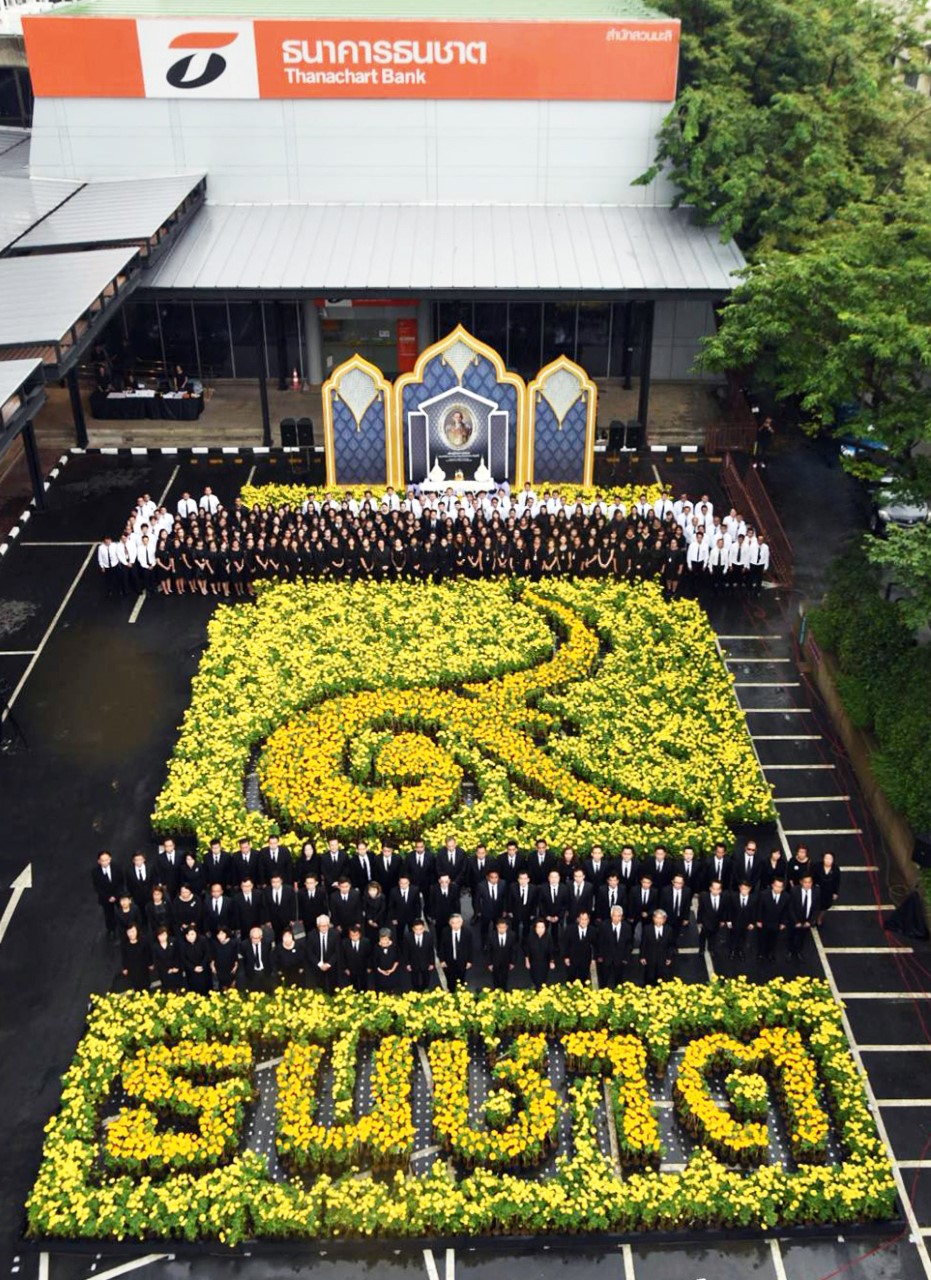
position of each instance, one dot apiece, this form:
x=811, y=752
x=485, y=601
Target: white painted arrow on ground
x=22, y=882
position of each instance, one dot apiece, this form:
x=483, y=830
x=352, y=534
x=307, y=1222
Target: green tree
x=905, y=554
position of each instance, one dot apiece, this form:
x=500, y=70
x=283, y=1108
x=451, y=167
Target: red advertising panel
x=407, y=345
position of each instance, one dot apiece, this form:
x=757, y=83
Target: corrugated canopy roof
x=13, y=373
x=109, y=212
x=42, y=296
x=24, y=201
x=337, y=249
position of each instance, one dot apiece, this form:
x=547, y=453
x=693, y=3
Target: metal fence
x=748, y=494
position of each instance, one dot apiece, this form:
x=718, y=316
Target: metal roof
x=42, y=296
x=13, y=373
x=385, y=10
x=14, y=151
x=108, y=212
x=336, y=249
x=23, y=202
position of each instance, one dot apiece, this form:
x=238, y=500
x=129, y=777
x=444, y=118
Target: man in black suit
x=421, y=867
x=805, y=901
x=773, y=918
x=345, y=905
x=581, y=897
x=490, y=903
x=333, y=864
x=660, y=868
x=522, y=905
x=356, y=959
x=578, y=948
x=541, y=863
x=741, y=918
x=442, y=903
x=553, y=903
x=749, y=864
x=641, y=904
x=455, y=952
x=676, y=901
x=168, y=867
x=275, y=860
x=419, y=956
x=108, y=885
x=258, y=961
x=501, y=955
x=218, y=866
x=405, y=905
x=478, y=869
x=219, y=911
x=596, y=867
x=139, y=881
x=656, y=949
x=615, y=939
x=387, y=869
x=720, y=867
x=323, y=956
x=280, y=906
x=511, y=863
x=610, y=895
x=361, y=868
x=312, y=901
x=692, y=870
x=250, y=908
x=628, y=873
x=246, y=864
x=712, y=915
x=451, y=862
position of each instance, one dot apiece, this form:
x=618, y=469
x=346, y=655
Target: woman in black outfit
x=539, y=956
x=167, y=961
x=195, y=958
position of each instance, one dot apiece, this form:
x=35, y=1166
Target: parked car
x=893, y=505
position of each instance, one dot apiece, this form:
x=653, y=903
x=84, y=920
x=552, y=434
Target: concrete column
x=32, y=461
x=313, y=337
x=424, y=323
x=646, y=364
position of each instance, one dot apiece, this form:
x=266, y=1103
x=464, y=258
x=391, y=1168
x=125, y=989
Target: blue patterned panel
x=437, y=378
x=559, y=455
x=360, y=455
x=483, y=380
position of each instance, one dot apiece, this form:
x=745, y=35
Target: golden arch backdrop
x=460, y=418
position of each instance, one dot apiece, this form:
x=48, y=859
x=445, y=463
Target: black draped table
x=174, y=406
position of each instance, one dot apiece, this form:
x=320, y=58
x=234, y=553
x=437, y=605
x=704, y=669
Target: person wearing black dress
x=164, y=567
x=158, y=912
x=167, y=961
x=224, y=959
x=374, y=911
x=195, y=958
x=136, y=959
x=386, y=964
x=291, y=960
x=539, y=954
x=827, y=879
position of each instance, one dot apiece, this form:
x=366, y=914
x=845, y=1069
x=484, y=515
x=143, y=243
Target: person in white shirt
x=663, y=506
x=696, y=559
x=717, y=564
x=145, y=506
x=738, y=559
x=209, y=502
x=108, y=561
x=187, y=507
x=126, y=560
x=145, y=565
x=758, y=564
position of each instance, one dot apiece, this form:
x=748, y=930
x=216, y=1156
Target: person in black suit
x=581, y=897
x=805, y=907
x=455, y=952
x=186, y=911
x=387, y=869
x=166, y=960
x=224, y=959
x=478, y=868
x=511, y=863
x=693, y=871
x=642, y=902
x=158, y=913
x=660, y=868
x=553, y=903
x=195, y=957
x=323, y=956
x=657, y=948
x=501, y=955
x=126, y=914
x=356, y=956
x=419, y=955
x=168, y=867
x=192, y=875
x=712, y=914
x=246, y=864
x=139, y=881
x=218, y=866
x=451, y=862
x=540, y=954
x=749, y=865
x=611, y=894
x=490, y=903
x=421, y=868
x=596, y=867
x=742, y=912
x=345, y=905
x=280, y=906
x=721, y=867
x=578, y=948
x=275, y=860
x=628, y=873
x=308, y=864
x=522, y=905
x=374, y=913
x=541, y=863
x=258, y=961
x=442, y=903
x=676, y=901
x=108, y=885
x=773, y=869
x=249, y=904
x=615, y=939
x=773, y=918
x=405, y=905
x=333, y=864
x=827, y=879
x=312, y=901
x=291, y=959
x=219, y=911
x=361, y=868
x=135, y=959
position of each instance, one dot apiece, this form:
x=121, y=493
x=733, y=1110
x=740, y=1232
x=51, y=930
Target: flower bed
x=165, y=1048
x=588, y=712
x=295, y=495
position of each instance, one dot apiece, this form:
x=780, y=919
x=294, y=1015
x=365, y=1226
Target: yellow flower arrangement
x=295, y=495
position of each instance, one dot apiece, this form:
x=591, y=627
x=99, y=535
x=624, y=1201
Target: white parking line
x=16, y=653
x=809, y=799
x=847, y=871
x=760, y=638
x=885, y=995
x=797, y=766
x=916, y=1164
x=903, y=1102
x=137, y=607
x=825, y=831
x=767, y=684
x=627, y=1257
x=776, y=1254
x=58, y=544
x=772, y=711
x=895, y=1048
x=787, y=737
x=870, y=951
x=738, y=661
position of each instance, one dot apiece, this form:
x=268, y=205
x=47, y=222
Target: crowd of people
x=389, y=921
x=204, y=549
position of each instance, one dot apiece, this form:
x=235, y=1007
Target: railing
x=748, y=495
x=729, y=437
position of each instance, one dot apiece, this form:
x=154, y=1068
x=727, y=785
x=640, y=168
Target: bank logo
x=193, y=71
x=198, y=60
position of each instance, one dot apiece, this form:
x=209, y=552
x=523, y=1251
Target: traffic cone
x=295, y=380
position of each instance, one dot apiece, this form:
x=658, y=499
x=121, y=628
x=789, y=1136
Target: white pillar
x=313, y=338
x=424, y=324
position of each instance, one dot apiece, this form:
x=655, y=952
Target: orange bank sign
x=201, y=58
